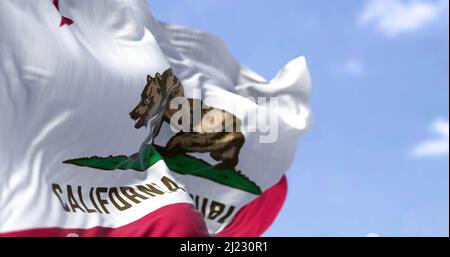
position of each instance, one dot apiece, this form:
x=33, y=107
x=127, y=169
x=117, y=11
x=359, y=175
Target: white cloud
x=437, y=146
x=372, y=235
x=353, y=66
x=393, y=17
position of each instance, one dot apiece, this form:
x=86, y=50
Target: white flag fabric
x=202, y=62
x=70, y=73
x=86, y=146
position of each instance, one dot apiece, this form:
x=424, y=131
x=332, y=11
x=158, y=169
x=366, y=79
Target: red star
x=64, y=20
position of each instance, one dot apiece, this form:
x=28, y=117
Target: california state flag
x=113, y=124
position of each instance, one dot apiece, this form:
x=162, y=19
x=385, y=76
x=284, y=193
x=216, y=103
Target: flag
x=114, y=124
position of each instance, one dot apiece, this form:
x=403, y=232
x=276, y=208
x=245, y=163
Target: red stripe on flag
x=182, y=220
x=257, y=216
x=175, y=220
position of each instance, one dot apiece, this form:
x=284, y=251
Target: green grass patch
x=182, y=164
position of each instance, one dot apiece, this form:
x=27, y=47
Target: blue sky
x=376, y=158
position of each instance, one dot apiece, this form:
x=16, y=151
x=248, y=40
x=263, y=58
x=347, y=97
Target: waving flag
x=242, y=200
x=116, y=125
